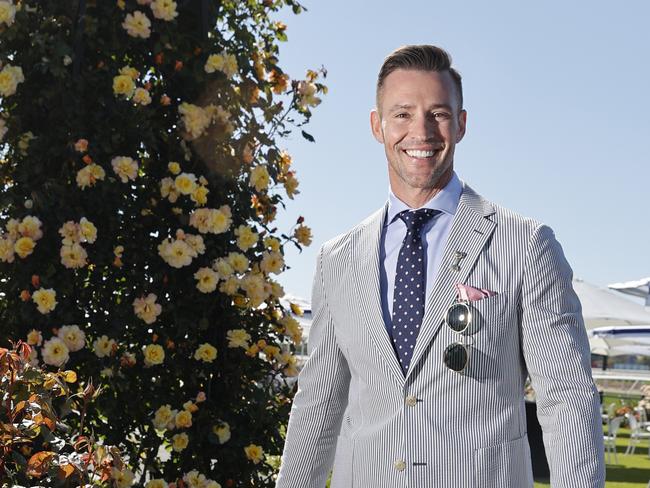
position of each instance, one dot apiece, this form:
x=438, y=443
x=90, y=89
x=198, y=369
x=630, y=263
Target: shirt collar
x=446, y=200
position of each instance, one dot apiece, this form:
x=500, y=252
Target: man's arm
x=557, y=354
x=319, y=403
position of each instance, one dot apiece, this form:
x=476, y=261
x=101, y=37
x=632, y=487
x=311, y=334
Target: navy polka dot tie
x=410, y=285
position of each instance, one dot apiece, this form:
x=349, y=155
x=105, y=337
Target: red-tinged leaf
x=39, y=463
x=20, y=406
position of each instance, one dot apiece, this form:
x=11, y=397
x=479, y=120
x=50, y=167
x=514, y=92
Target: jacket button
x=399, y=465
x=411, y=401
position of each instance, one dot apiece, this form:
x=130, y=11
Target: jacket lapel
x=365, y=261
x=470, y=231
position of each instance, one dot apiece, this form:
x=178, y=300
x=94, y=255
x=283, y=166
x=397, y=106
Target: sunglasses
x=458, y=318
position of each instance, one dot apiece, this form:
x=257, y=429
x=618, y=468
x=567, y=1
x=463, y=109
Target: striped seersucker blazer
x=436, y=428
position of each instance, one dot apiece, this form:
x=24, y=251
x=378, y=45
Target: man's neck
x=417, y=197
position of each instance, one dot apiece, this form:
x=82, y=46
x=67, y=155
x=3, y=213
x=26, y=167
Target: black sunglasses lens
x=456, y=357
x=458, y=317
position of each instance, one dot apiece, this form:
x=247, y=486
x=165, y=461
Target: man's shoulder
x=341, y=241
x=503, y=216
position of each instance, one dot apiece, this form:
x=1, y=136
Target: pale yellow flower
x=200, y=195
x=87, y=230
x=131, y=72
x=146, y=308
x=292, y=328
x=137, y=25
x=183, y=419
x=177, y=253
x=73, y=256
x=302, y=233
x=55, y=352
x=194, y=479
x=70, y=232
x=224, y=62
x=10, y=77
x=222, y=431
x=164, y=9
x=153, y=354
x=238, y=338
x=185, y=183
x=207, y=280
x=7, y=12
x=180, y=441
x=142, y=96
x=246, y=237
x=103, y=346
x=81, y=145
x=156, y=483
x=196, y=243
x=230, y=286
x=24, y=246
x=164, y=418
x=206, y=353
x=272, y=243
x=223, y=267
x=125, y=168
x=190, y=406
x=122, y=479
x=123, y=85
x=272, y=262
x=290, y=184
x=254, y=452
x=238, y=261
x=196, y=119
x=174, y=168
x=45, y=300
x=89, y=175
x=34, y=338
x=255, y=287
x=30, y=226
x=260, y=177
x=307, y=92
x=168, y=189
x=215, y=221
x=73, y=336
x=6, y=249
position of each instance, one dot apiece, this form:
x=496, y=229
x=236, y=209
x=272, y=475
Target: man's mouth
x=420, y=154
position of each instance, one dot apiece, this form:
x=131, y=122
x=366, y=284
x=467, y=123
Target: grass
x=631, y=471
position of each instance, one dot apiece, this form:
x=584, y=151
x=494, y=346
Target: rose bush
x=141, y=172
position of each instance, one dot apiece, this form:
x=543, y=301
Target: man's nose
x=424, y=126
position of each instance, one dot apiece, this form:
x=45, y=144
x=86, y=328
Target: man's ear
x=462, y=125
x=375, y=126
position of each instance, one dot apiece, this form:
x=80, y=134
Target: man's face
x=419, y=122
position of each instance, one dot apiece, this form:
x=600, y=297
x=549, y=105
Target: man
x=428, y=317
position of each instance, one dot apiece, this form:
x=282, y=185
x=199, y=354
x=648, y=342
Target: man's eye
x=441, y=115
x=401, y=115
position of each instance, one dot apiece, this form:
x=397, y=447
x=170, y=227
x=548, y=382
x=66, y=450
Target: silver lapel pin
x=458, y=257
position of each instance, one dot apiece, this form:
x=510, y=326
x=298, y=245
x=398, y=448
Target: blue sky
x=558, y=119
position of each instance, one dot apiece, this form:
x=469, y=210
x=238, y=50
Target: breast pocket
x=488, y=312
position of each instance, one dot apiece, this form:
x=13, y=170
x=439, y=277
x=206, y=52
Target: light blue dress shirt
x=435, y=234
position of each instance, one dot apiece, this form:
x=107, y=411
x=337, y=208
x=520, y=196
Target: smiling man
x=429, y=316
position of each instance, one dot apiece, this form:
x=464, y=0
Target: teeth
x=419, y=154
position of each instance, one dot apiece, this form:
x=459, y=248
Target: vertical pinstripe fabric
x=356, y=411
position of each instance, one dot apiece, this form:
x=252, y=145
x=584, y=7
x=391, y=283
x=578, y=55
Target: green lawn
x=631, y=471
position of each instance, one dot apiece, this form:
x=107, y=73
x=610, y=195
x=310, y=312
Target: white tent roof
x=602, y=307
x=638, y=288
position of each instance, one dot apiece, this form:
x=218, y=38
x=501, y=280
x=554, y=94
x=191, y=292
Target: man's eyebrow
x=400, y=106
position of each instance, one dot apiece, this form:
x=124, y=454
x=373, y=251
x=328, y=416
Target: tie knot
x=416, y=219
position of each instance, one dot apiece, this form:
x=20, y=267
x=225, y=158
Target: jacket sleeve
x=318, y=405
x=557, y=354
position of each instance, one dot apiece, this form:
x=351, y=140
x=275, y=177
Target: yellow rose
x=55, y=352
x=238, y=261
x=222, y=431
x=10, y=77
x=200, y=195
x=137, y=25
x=164, y=418
x=183, y=419
x=156, y=483
x=7, y=13
x=174, y=168
x=185, y=183
x=103, y=346
x=180, y=442
x=238, y=338
x=302, y=233
x=254, y=452
x=272, y=262
x=45, y=300
x=206, y=353
x=153, y=354
x=260, y=178
x=246, y=237
x=141, y=96
x=272, y=243
x=130, y=72
x=24, y=246
x=123, y=85
x=207, y=280
x=87, y=230
x=34, y=338
x=164, y=9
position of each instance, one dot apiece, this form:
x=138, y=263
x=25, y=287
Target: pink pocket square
x=470, y=294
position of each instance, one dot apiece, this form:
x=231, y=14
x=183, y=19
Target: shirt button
x=411, y=401
x=399, y=465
